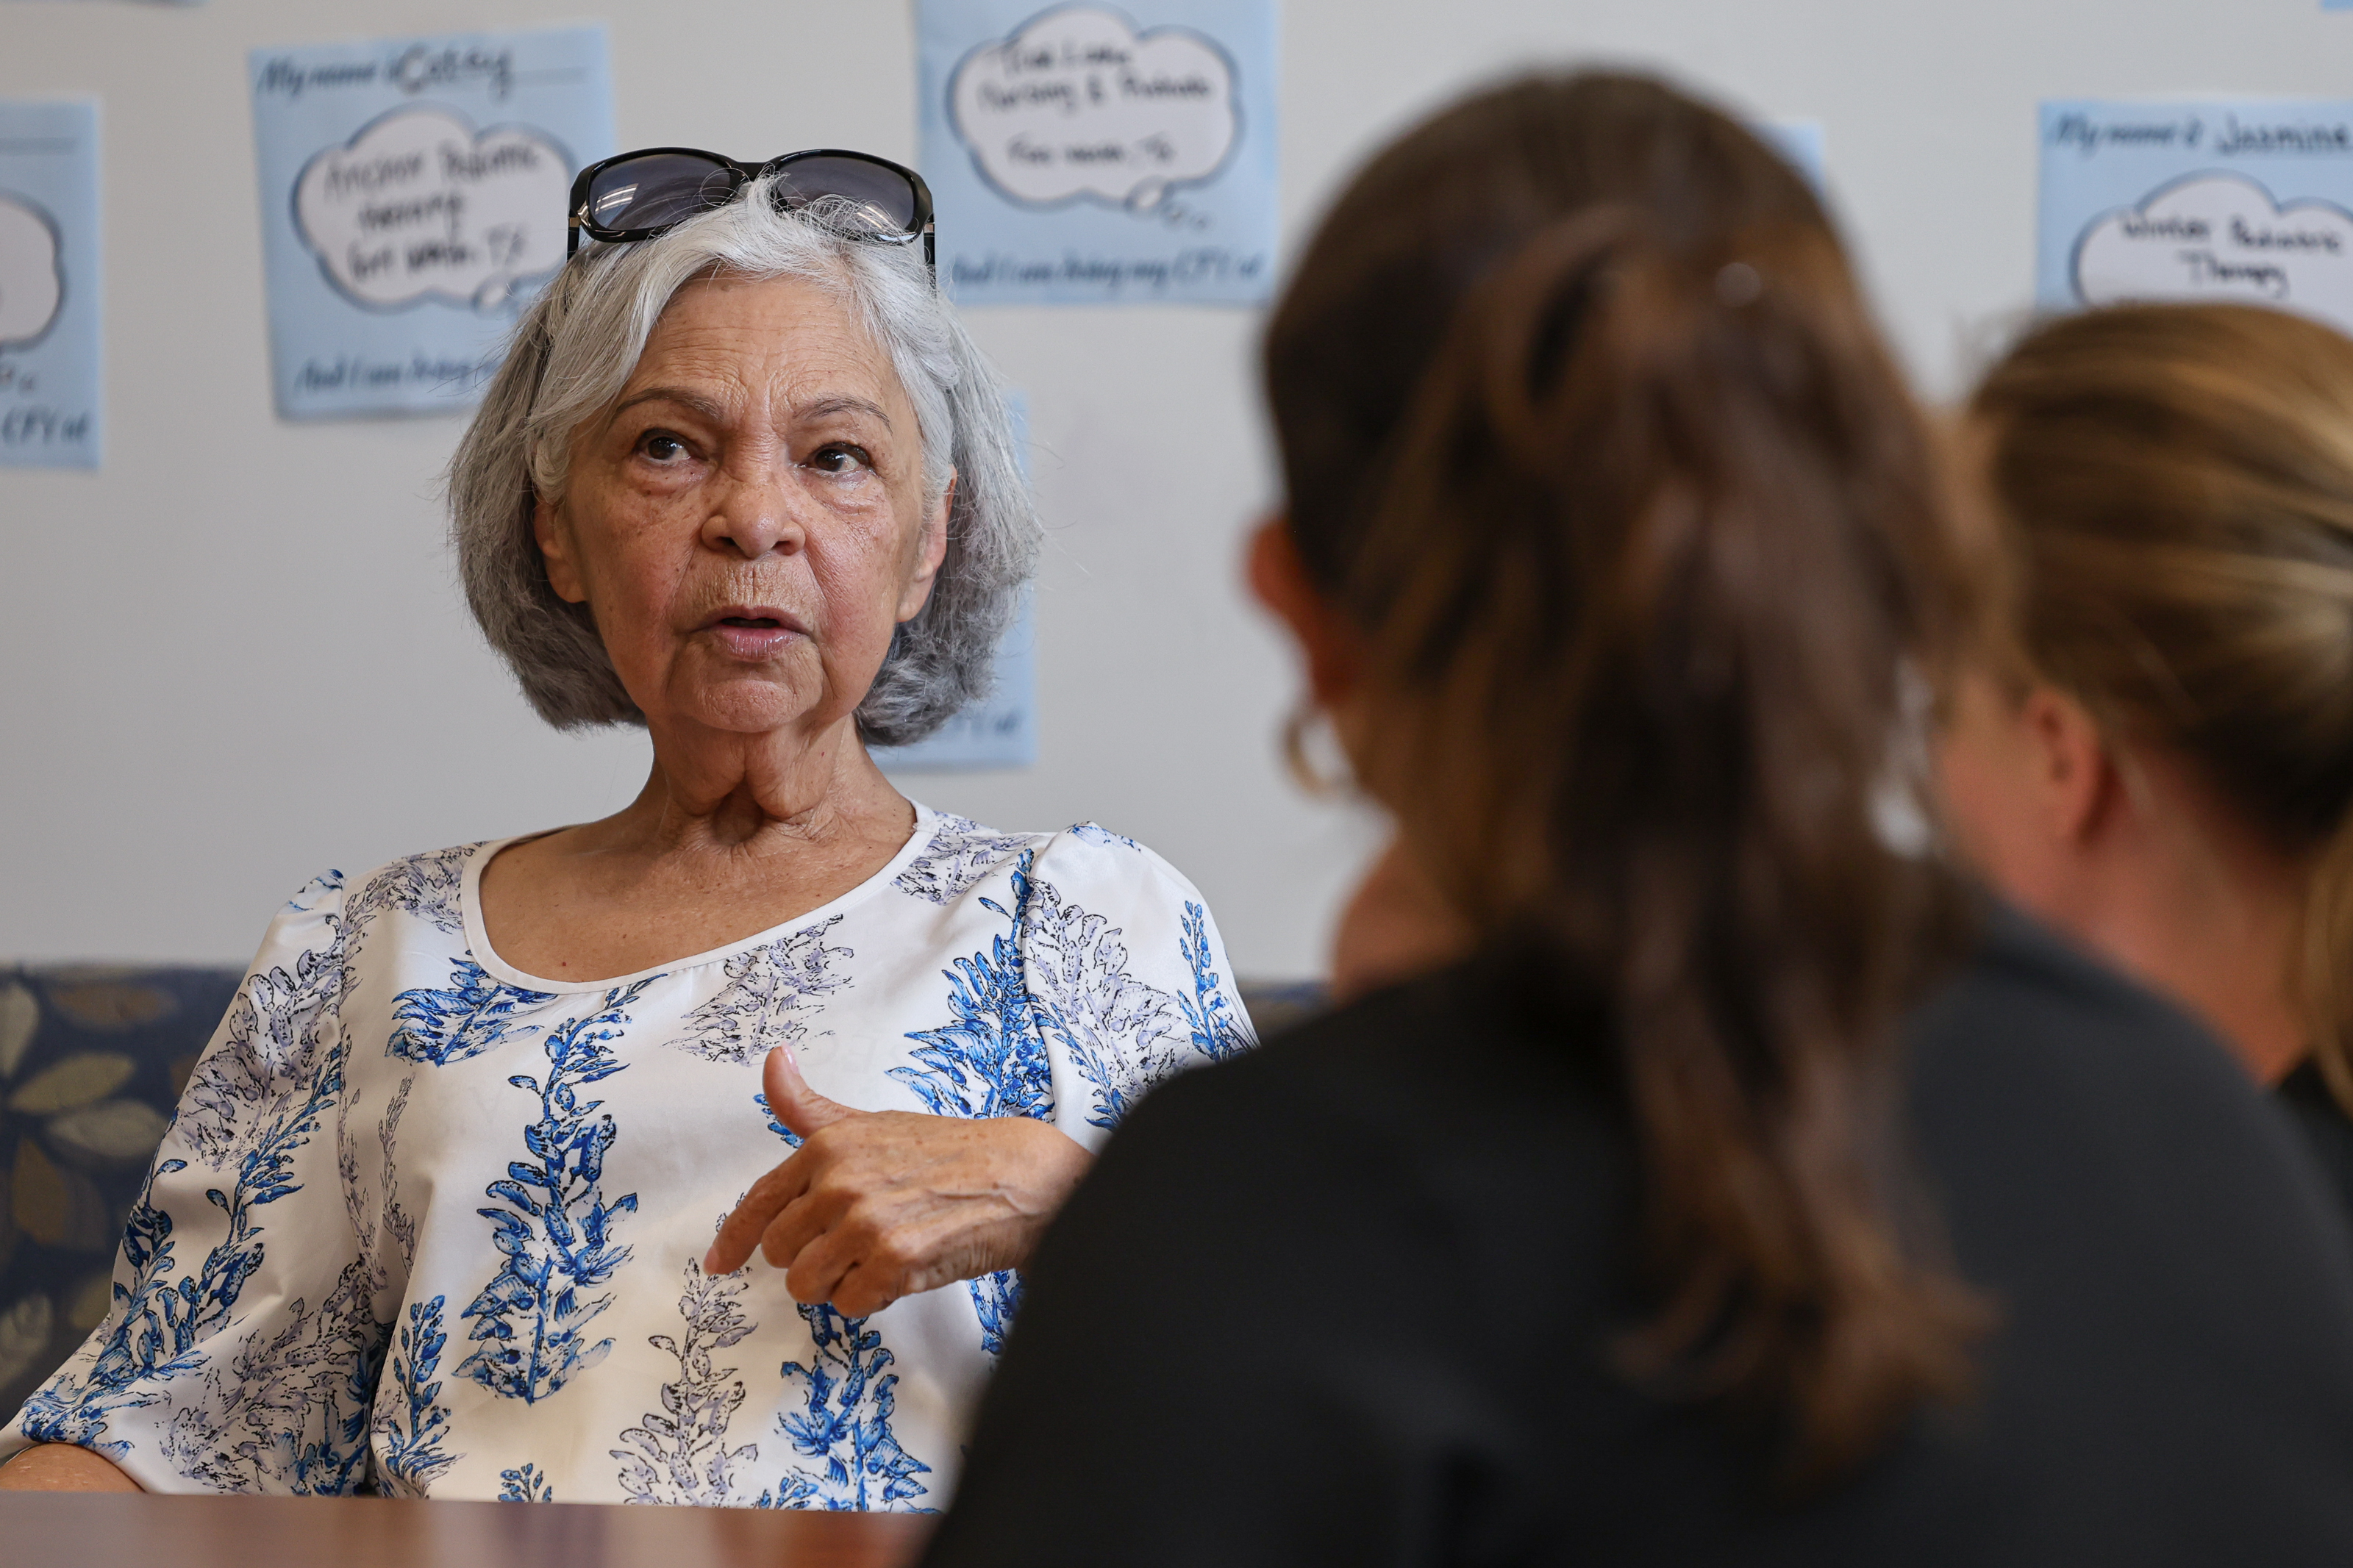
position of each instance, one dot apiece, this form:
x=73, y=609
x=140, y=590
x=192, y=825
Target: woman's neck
x=2207, y=912
x=729, y=838
x=717, y=793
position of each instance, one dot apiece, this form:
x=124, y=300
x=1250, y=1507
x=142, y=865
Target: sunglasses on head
x=640, y=194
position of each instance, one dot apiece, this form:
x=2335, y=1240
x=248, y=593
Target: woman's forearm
x=62, y=1468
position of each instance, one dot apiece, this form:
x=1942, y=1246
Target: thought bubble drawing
x=32, y=280
x=417, y=205
x=1076, y=102
x=2222, y=237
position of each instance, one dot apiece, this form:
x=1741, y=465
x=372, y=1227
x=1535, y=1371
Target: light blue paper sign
x=1000, y=730
x=2245, y=201
x=49, y=409
x=1800, y=142
x=412, y=202
x=1094, y=153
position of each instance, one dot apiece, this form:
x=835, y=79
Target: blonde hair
x=2178, y=483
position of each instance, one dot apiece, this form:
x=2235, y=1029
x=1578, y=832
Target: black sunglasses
x=640, y=194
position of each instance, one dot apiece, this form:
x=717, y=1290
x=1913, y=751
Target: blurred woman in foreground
x=2170, y=777
x=1740, y=1192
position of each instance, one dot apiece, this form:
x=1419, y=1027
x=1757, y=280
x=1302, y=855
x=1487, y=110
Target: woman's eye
x=839, y=457
x=661, y=446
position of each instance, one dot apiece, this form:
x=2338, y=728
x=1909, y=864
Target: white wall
x=234, y=655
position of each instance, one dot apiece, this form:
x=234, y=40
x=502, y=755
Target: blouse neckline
x=478, y=939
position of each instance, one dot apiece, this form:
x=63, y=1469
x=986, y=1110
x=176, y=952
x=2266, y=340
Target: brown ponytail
x=1657, y=536
x=2177, y=481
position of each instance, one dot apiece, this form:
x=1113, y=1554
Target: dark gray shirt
x=1346, y=1300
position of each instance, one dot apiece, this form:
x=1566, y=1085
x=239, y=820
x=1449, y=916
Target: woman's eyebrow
x=845, y=402
x=694, y=400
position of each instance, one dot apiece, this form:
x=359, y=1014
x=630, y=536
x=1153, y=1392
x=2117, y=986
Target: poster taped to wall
x=412, y=203
x=1799, y=141
x=1101, y=153
x=49, y=410
x=1000, y=730
x=2247, y=201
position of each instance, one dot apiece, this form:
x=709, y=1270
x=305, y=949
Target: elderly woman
x=460, y=1200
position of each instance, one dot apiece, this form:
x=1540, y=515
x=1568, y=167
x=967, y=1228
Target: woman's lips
x=754, y=634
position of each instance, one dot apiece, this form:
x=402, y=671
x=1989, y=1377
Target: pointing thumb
x=794, y=1104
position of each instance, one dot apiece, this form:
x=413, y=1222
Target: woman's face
x=746, y=523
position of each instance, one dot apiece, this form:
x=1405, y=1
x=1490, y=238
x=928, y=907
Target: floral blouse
x=428, y=1225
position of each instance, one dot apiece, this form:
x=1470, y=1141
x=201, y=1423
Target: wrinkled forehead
x=770, y=341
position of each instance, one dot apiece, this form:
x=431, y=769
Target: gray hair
x=570, y=356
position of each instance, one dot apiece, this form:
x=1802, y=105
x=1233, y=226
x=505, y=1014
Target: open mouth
x=753, y=631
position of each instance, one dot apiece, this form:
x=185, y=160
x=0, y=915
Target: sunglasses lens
x=655, y=190
x=868, y=195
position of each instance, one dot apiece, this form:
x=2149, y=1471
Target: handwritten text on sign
x=413, y=196
x=1102, y=152
x=2245, y=201
x=31, y=281
x=418, y=203
x=2221, y=236
x=51, y=408
x=1080, y=103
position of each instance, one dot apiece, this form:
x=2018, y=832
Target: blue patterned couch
x=91, y=1062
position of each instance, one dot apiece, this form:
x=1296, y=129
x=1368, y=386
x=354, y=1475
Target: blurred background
x=235, y=656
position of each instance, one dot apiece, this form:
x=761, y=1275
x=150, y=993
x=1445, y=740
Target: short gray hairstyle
x=575, y=348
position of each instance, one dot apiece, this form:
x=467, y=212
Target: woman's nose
x=753, y=518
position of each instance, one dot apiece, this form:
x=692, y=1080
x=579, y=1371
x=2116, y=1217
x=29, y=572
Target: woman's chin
x=748, y=706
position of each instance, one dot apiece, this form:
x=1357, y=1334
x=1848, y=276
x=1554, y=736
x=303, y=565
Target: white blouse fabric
x=428, y=1225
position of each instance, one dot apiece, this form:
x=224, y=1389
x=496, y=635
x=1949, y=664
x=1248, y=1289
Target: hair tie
x=1738, y=284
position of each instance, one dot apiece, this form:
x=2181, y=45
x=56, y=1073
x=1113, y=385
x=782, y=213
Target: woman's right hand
x=879, y=1204
x=63, y=1468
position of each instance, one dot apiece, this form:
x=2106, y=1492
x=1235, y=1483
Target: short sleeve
x=1126, y=976
x=241, y=1346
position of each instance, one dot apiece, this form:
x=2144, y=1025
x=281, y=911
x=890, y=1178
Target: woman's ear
x=2032, y=792
x=1279, y=580
x=933, y=550
x=2075, y=771
x=554, y=541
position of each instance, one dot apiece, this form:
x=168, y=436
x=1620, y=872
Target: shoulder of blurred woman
x=2328, y=1131
x=2028, y=1008
x=1439, y=1108
x=2057, y=1103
